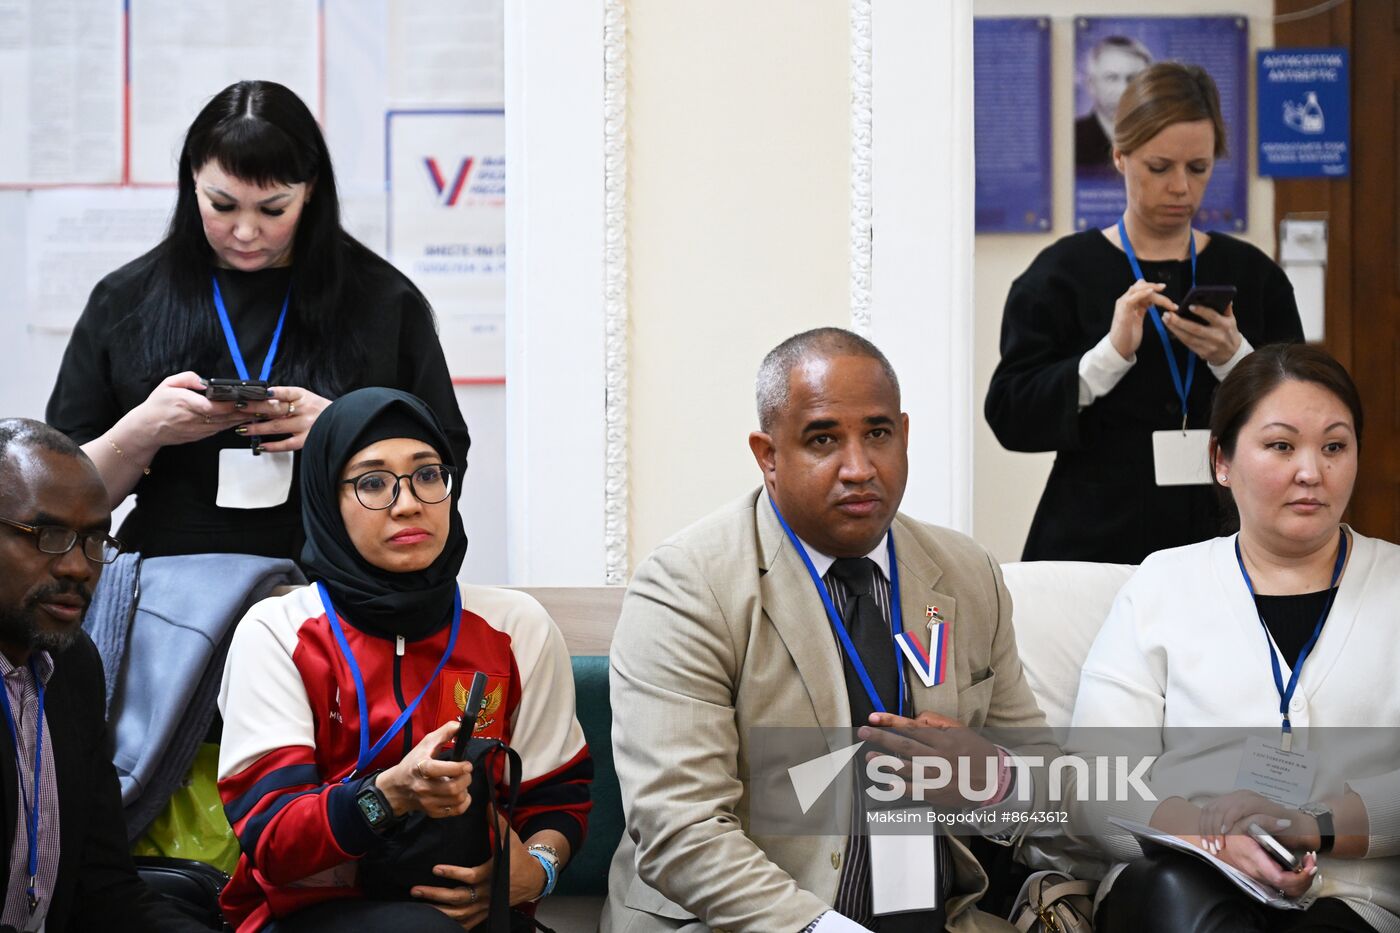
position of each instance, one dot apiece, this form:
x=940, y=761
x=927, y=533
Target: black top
x=175, y=511
x=97, y=887
x=1093, y=150
x=1102, y=502
x=1291, y=620
x=382, y=602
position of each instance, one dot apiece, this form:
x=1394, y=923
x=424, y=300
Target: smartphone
x=1277, y=851
x=475, y=695
x=1215, y=297
x=236, y=390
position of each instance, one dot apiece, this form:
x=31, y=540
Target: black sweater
x=175, y=511
x=1102, y=502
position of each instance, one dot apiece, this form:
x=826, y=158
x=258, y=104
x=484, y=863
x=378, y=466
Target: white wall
x=738, y=226
x=1008, y=485
x=922, y=221
x=554, y=293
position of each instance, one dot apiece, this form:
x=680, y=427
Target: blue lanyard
x=1183, y=387
x=232, y=340
x=368, y=754
x=896, y=616
x=1286, y=693
x=32, y=806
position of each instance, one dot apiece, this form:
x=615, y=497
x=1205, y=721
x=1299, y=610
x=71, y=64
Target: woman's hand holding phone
x=1125, y=332
x=288, y=414
x=177, y=412
x=1210, y=334
x=423, y=782
x=1249, y=856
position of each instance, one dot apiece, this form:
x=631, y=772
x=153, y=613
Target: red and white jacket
x=292, y=732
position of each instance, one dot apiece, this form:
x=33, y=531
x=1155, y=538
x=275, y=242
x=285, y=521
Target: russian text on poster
x=1011, y=61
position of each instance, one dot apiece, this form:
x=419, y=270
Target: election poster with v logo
x=446, y=227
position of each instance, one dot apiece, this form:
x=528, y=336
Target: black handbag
x=418, y=843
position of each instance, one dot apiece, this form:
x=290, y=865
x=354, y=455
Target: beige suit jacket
x=722, y=631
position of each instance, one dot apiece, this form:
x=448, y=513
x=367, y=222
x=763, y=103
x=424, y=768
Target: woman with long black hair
x=255, y=279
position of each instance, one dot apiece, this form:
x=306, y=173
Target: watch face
x=372, y=808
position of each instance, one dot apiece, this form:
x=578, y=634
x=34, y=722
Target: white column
x=555, y=339
x=921, y=185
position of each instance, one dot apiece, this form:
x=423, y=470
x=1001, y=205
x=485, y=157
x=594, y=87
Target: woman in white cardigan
x=1209, y=636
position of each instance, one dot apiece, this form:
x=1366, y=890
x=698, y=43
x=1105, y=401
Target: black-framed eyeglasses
x=55, y=539
x=379, y=489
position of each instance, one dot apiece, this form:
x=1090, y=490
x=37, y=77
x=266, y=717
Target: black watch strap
x=1326, y=831
x=373, y=805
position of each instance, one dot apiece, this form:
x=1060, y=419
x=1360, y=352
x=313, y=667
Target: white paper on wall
x=183, y=52
x=447, y=52
x=446, y=227
x=61, y=110
x=77, y=236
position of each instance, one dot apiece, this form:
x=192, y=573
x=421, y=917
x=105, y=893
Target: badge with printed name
x=930, y=664
x=1285, y=777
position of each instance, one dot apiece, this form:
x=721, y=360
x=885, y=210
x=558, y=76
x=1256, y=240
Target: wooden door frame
x=1331, y=196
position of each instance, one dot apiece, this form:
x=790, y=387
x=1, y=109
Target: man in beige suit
x=724, y=630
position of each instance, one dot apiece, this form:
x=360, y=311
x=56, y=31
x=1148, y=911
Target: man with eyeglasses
x=68, y=868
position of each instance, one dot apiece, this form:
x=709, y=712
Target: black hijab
x=379, y=602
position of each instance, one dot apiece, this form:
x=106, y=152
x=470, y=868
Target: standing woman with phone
x=1100, y=364
x=340, y=699
x=255, y=280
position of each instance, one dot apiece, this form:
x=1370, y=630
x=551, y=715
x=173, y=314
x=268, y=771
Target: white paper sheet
x=1150, y=837
x=61, y=111
x=447, y=190
x=183, y=52
x=75, y=237
x=447, y=52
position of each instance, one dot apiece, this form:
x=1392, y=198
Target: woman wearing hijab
x=337, y=697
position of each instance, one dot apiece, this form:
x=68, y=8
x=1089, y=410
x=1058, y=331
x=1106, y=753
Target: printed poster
x=1011, y=62
x=1108, y=52
x=446, y=227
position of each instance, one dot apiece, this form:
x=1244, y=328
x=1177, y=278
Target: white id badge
x=1284, y=777
x=904, y=866
x=1181, y=458
x=253, y=481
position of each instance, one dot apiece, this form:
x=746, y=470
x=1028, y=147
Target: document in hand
x=1152, y=839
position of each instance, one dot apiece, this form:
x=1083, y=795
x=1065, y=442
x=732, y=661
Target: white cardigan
x=1183, y=649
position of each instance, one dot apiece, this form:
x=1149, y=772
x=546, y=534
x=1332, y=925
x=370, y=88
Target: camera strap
x=499, y=918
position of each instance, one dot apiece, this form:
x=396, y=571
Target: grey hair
x=771, y=386
x=1123, y=44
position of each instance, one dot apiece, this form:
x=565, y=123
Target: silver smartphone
x=1277, y=850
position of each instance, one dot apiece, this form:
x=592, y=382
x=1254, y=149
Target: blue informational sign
x=1108, y=51
x=1304, y=113
x=1011, y=90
